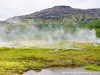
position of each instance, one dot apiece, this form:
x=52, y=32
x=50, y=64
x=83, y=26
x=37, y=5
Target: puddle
x=62, y=71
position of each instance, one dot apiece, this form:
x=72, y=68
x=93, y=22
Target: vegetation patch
x=18, y=60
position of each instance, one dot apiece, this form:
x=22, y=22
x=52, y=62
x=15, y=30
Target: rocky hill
x=60, y=14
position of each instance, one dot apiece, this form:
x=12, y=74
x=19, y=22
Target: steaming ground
x=55, y=36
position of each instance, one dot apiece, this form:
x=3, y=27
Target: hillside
x=59, y=15
x=94, y=24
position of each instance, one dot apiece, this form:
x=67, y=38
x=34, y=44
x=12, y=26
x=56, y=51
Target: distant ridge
x=61, y=13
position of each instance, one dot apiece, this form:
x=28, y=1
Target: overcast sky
x=10, y=8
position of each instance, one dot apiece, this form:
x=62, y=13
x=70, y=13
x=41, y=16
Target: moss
x=18, y=60
x=93, y=67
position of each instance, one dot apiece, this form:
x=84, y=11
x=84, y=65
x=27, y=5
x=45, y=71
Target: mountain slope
x=60, y=14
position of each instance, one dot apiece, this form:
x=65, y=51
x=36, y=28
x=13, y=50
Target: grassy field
x=18, y=60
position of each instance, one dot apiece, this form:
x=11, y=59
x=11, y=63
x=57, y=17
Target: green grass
x=18, y=60
x=98, y=32
x=93, y=25
x=93, y=67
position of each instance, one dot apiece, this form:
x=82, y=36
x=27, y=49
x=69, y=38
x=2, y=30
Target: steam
x=45, y=35
x=83, y=35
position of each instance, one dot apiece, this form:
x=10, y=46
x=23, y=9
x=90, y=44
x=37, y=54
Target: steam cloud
x=34, y=35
